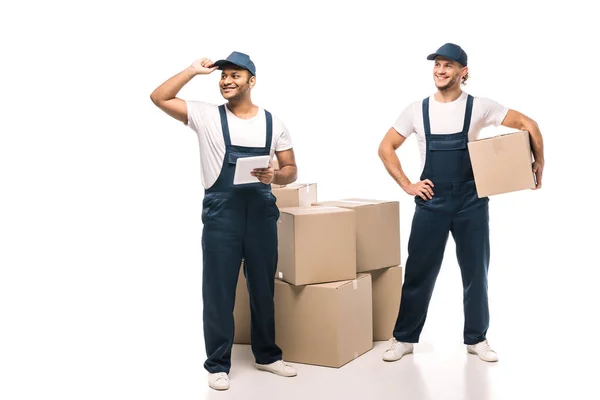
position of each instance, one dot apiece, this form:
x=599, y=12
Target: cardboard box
x=316, y=245
x=377, y=232
x=502, y=164
x=295, y=195
x=241, y=311
x=387, y=291
x=325, y=324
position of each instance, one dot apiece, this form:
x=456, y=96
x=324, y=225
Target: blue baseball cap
x=239, y=59
x=451, y=51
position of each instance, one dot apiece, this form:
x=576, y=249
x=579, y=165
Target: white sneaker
x=483, y=351
x=397, y=350
x=218, y=381
x=278, y=368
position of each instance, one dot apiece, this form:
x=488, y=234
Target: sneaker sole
x=474, y=352
x=261, y=368
x=218, y=388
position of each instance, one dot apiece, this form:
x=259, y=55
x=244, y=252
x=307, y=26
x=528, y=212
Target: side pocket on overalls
x=210, y=207
x=271, y=209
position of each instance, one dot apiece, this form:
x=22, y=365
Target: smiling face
x=235, y=82
x=447, y=74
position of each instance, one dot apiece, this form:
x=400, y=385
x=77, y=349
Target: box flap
x=368, y=201
x=293, y=186
x=313, y=210
x=496, y=137
x=339, y=284
x=352, y=203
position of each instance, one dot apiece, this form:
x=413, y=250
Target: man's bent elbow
x=154, y=98
x=384, y=150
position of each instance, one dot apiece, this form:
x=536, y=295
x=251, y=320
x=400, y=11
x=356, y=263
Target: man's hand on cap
x=203, y=66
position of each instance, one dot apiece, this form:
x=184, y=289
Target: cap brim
x=432, y=56
x=221, y=63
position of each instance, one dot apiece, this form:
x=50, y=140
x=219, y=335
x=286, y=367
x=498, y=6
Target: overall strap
x=269, y=119
x=224, y=125
x=468, y=112
x=426, y=124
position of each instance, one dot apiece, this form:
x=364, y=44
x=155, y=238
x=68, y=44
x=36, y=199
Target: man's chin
x=228, y=96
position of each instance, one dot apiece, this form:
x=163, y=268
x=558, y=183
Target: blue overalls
x=239, y=222
x=455, y=207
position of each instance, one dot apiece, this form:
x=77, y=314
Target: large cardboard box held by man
x=326, y=324
x=316, y=245
x=295, y=195
x=502, y=164
x=387, y=291
x=377, y=232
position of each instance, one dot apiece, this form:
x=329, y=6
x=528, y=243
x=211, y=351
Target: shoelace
x=395, y=344
x=483, y=346
x=220, y=375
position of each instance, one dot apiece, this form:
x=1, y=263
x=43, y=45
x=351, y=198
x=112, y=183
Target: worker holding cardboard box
x=239, y=212
x=446, y=199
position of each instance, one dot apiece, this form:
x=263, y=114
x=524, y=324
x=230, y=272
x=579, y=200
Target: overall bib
x=454, y=208
x=239, y=222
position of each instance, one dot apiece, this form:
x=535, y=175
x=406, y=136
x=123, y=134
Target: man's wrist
x=404, y=183
x=191, y=72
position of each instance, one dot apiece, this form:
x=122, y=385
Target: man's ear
x=252, y=81
x=465, y=71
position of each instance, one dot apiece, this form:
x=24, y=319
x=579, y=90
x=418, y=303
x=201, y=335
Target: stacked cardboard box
x=338, y=280
x=326, y=324
x=387, y=290
x=377, y=231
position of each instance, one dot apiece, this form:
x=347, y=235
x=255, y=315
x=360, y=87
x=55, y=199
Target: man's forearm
x=172, y=86
x=285, y=175
x=394, y=168
x=537, y=142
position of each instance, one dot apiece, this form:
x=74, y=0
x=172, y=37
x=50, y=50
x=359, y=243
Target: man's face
x=235, y=82
x=447, y=73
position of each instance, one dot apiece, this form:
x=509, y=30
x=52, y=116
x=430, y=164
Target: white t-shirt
x=447, y=118
x=205, y=120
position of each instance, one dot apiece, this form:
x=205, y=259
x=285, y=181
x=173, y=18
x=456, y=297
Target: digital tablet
x=245, y=165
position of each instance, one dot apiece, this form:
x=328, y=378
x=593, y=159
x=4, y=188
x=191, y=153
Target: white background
x=100, y=195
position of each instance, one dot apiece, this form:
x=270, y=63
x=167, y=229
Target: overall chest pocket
x=448, y=158
x=448, y=144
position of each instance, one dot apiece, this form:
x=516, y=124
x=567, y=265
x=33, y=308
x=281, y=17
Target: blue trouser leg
x=426, y=245
x=260, y=264
x=470, y=230
x=223, y=217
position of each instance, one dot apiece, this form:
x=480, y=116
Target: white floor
x=530, y=369
x=534, y=363
x=440, y=370
x=540, y=328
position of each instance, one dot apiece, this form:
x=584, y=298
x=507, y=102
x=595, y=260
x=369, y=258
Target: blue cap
x=451, y=51
x=239, y=59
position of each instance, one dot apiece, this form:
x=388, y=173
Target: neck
x=448, y=95
x=242, y=108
